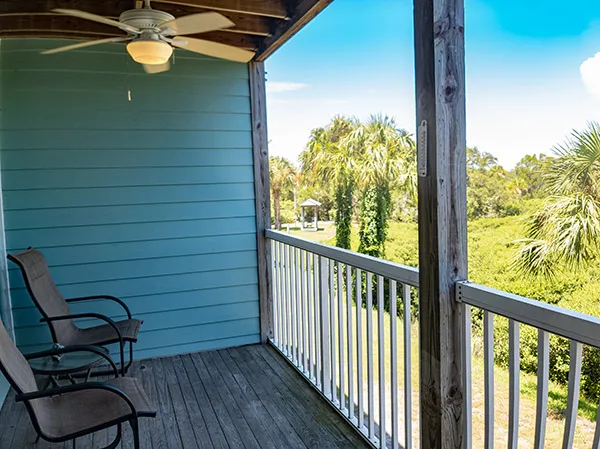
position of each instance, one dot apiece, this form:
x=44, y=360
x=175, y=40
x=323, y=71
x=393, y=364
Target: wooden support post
x=440, y=100
x=262, y=195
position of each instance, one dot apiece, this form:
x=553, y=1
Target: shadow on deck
x=247, y=397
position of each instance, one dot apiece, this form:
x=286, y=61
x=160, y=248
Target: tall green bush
x=373, y=221
x=343, y=214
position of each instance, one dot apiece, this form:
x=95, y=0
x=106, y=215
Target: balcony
x=335, y=374
x=361, y=359
x=246, y=397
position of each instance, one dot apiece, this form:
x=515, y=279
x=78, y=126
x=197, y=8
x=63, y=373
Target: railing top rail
x=556, y=320
x=391, y=270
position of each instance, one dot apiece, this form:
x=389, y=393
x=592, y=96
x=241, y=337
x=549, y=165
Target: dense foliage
x=364, y=161
x=491, y=250
x=346, y=157
x=373, y=221
x=489, y=193
x=343, y=214
x=565, y=232
x=327, y=160
x=541, y=218
x=282, y=175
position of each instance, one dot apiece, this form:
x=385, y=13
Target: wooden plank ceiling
x=260, y=25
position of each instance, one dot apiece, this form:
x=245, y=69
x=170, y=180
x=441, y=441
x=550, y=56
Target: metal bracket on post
x=422, y=149
x=458, y=295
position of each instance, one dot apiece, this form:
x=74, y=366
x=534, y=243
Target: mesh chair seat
x=56, y=311
x=72, y=413
x=105, y=334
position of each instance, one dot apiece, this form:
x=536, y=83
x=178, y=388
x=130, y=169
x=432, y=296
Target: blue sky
x=532, y=72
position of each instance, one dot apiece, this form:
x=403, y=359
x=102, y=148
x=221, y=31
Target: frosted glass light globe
x=150, y=52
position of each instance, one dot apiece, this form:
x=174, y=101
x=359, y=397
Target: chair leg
x=135, y=428
x=123, y=359
x=122, y=369
x=117, y=439
x=125, y=368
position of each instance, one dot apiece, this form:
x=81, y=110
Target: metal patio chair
x=56, y=312
x=69, y=412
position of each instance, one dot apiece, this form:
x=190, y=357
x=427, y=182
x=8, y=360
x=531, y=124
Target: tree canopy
x=366, y=172
x=282, y=175
x=363, y=161
x=565, y=232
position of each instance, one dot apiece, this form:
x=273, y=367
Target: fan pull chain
x=127, y=78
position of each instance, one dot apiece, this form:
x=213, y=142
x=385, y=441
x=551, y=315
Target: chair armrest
x=76, y=348
x=73, y=316
x=74, y=388
x=110, y=298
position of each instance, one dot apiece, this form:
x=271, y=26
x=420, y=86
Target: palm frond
x=577, y=166
x=566, y=232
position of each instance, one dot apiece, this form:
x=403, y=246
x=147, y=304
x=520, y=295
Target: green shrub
x=287, y=212
x=509, y=210
x=490, y=255
x=590, y=373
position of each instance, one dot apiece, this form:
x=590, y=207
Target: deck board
x=246, y=398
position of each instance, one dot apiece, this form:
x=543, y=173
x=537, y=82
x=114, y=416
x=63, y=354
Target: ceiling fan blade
x=97, y=18
x=214, y=49
x=196, y=23
x=84, y=44
x=152, y=69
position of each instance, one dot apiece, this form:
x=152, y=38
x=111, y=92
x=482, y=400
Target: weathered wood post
x=262, y=195
x=440, y=101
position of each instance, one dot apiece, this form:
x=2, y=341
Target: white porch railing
x=579, y=328
x=350, y=353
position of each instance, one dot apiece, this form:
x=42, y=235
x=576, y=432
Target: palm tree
x=566, y=231
x=327, y=160
x=387, y=154
x=281, y=175
x=371, y=157
x=385, y=159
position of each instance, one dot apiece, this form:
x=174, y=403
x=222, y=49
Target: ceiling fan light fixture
x=150, y=51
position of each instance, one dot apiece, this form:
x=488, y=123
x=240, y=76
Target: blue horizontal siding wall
x=150, y=200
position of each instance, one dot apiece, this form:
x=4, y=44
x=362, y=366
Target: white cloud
x=275, y=87
x=590, y=74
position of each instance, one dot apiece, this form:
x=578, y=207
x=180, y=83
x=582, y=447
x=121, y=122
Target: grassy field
x=491, y=249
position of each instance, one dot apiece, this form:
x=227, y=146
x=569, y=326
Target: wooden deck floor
x=236, y=398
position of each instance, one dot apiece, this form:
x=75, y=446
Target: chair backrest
x=20, y=376
x=14, y=366
x=44, y=293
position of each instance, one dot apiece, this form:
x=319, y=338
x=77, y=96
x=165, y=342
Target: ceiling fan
x=152, y=34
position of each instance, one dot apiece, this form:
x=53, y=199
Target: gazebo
x=309, y=203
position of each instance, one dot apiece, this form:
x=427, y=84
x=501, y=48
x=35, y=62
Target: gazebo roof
x=310, y=203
